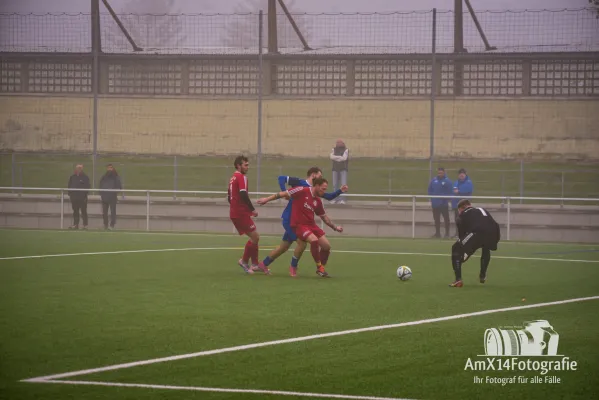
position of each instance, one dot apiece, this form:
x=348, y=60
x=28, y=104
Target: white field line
x=336, y=237
x=270, y=248
x=101, y=253
x=299, y=339
x=223, y=390
x=448, y=255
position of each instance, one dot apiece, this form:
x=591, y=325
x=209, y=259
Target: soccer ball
x=404, y=273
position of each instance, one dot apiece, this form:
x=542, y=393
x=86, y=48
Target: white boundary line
x=299, y=339
x=168, y=233
x=224, y=390
x=448, y=255
x=101, y=253
x=270, y=248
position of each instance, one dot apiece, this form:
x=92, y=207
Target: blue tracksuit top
x=465, y=189
x=293, y=182
x=440, y=187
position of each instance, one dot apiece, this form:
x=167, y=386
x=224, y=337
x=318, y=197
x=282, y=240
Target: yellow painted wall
x=302, y=128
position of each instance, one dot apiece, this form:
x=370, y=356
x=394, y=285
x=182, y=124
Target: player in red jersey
x=241, y=212
x=306, y=203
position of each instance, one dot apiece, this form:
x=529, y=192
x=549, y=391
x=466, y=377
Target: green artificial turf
x=61, y=314
x=366, y=176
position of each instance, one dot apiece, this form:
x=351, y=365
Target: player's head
x=320, y=186
x=110, y=169
x=242, y=164
x=441, y=172
x=463, y=204
x=462, y=174
x=314, y=173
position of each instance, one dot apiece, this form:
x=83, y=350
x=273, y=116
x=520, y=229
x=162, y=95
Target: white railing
x=507, y=200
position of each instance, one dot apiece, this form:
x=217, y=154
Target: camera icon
x=536, y=338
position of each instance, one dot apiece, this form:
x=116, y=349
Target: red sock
x=254, y=254
x=247, y=251
x=315, y=250
x=324, y=256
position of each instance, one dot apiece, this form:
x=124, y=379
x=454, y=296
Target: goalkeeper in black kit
x=477, y=230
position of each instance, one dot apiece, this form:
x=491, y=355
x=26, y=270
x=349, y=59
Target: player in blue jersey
x=289, y=237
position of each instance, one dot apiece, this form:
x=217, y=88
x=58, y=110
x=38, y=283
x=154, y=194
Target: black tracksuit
x=477, y=230
x=78, y=197
x=110, y=180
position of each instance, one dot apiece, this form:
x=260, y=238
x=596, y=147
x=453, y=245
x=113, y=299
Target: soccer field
x=173, y=316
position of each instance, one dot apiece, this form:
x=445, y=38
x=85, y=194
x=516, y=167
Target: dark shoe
x=436, y=236
x=84, y=227
x=74, y=227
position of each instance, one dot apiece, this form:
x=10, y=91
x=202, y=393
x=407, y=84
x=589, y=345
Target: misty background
x=332, y=26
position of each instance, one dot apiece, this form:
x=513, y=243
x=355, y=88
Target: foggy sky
x=227, y=6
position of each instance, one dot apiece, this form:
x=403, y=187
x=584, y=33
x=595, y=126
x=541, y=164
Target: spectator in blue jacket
x=461, y=188
x=439, y=186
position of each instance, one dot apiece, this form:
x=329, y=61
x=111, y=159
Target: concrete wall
x=372, y=219
x=477, y=128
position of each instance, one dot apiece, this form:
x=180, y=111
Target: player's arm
x=325, y=218
x=243, y=192
x=333, y=195
x=245, y=197
x=281, y=195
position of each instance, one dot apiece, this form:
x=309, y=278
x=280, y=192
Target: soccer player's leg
x=457, y=257
x=305, y=234
x=325, y=251
x=300, y=247
x=488, y=246
x=288, y=238
x=461, y=251
x=243, y=229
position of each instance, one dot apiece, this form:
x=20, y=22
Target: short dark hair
x=319, y=181
x=240, y=160
x=464, y=203
x=313, y=170
x=441, y=169
x=462, y=171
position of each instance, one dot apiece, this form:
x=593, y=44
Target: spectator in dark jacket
x=340, y=157
x=461, y=188
x=79, y=197
x=110, y=180
x=439, y=186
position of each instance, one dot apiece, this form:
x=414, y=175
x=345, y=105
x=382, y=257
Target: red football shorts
x=244, y=225
x=303, y=231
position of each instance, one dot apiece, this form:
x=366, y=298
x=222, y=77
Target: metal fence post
x=521, y=180
x=509, y=217
x=123, y=182
x=433, y=93
x=389, y=179
x=175, y=186
x=260, y=90
x=61, y=209
x=413, y=217
x=563, y=184
x=13, y=161
x=148, y=210
x=20, y=180
x=502, y=186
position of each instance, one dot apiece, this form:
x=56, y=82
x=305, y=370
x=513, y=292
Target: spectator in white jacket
x=340, y=157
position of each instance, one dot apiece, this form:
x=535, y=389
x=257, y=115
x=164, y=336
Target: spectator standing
x=110, y=180
x=462, y=187
x=340, y=157
x=78, y=198
x=440, y=185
